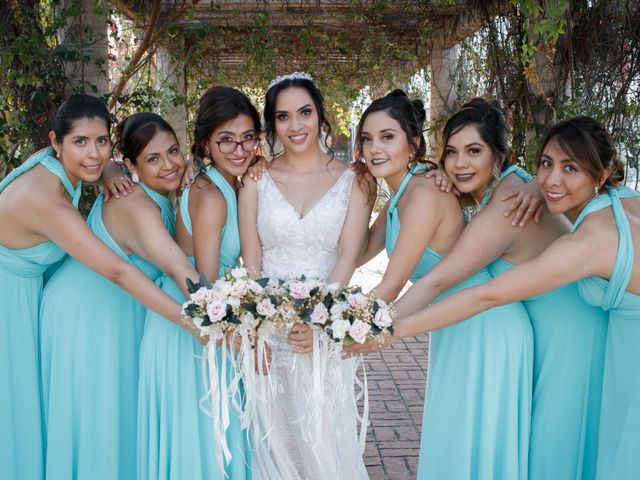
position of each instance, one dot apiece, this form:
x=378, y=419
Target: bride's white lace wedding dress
x=300, y=435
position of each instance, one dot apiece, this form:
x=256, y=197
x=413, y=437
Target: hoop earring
x=135, y=178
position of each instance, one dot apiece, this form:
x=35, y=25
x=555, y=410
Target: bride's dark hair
x=270, y=110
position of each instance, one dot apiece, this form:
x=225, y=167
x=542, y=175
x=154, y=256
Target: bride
x=305, y=216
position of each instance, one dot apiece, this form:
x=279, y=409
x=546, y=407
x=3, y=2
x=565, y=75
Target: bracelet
x=392, y=311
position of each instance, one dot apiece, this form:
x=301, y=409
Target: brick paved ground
x=396, y=378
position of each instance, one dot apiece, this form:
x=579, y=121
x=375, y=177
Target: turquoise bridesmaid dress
x=619, y=442
x=21, y=280
x=175, y=438
x=91, y=333
x=569, y=337
x=478, y=400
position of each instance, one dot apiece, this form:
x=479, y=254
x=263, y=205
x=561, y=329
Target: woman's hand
x=527, y=203
x=370, y=346
x=366, y=181
x=115, y=181
x=256, y=170
x=190, y=172
x=442, y=180
x=301, y=338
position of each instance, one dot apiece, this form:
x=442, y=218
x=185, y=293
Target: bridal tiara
x=290, y=76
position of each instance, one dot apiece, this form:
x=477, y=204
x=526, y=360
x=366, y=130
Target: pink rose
x=299, y=290
x=320, y=314
x=382, y=318
x=216, y=310
x=265, y=308
x=359, y=331
x=239, y=288
x=356, y=300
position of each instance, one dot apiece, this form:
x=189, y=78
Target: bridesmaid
x=91, y=329
x=579, y=174
x=38, y=211
x=175, y=438
x=563, y=436
x=475, y=425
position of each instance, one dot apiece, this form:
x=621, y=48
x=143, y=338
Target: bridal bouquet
x=356, y=317
x=224, y=306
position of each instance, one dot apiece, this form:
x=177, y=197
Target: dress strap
x=522, y=174
x=623, y=266
x=46, y=158
x=167, y=207
x=405, y=181
x=219, y=181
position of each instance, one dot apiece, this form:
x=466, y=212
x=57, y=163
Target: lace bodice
x=294, y=246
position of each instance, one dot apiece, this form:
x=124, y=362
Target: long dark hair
x=137, y=130
x=270, y=109
x=492, y=126
x=409, y=114
x=587, y=142
x=217, y=106
x=76, y=107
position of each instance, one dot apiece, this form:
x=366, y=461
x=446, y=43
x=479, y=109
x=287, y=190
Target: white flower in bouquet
x=265, y=308
x=382, y=318
x=359, y=331
x=223, y=288
x=357, y=300
x=239, y=288
x=234, y=302
x=340, y=328
x=248, y=323
x=334, y=287
x=239, y=273
x=320, y=314
x=200, y=296
x=287, y=311
x=254, y=286
x=337, y=309
x=216, y=310
x=299, y=290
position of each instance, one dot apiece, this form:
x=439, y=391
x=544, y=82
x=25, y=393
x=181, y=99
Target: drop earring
x=595, y=191
x=135, y=178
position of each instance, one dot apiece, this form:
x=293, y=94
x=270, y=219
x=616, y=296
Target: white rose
x=287, y=310
x=333, y=287
x=239, y=273
x=320, y=314
x=234, y=302
x=216, y=310
x=359, y=330
x=248, y=323
x=199, y=296
x=239, y=288
x=340, y=328
x=356, y=300
x=223, y=288
x=254, y=286
x=382, y=318
x=265, y=308
x=337, y=309
x=299, y=290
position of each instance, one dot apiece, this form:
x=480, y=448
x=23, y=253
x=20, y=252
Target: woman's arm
x=147, y=236
x=375, y=237
x=568, y=259
x=208, y=211
x=59, y=221
x=353, y=236
x=415, y=235
x=248, y=220
x=483, y=240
